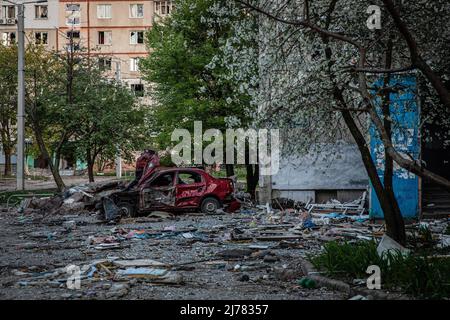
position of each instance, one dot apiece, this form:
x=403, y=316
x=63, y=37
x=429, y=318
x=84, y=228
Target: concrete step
x=435, y=214
x=436, y=202
x=437, y=207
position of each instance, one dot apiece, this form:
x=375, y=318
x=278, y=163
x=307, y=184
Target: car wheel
x=210, y=205
x=127, y=209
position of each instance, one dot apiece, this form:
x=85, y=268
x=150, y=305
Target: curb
x=309, y=271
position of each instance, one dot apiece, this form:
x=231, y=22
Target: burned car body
x=177, y=189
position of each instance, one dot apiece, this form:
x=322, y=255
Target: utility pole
x=118, y=157
x=20, y=161
x=21, y=97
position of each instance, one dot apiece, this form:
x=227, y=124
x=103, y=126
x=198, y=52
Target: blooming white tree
x=311, y=68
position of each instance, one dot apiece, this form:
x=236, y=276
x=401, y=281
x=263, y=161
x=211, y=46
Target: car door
x=190, y=188
x=158, y=193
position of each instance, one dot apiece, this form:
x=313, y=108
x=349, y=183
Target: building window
x=73, y=7
x=105, y=37
x=41, y=37
x=136, y=37
x=134, y=64
x=7, y=12
x=138, y=89
x=163, y=8
x=104, y=11
x=73, y=34
x=8, y=38
x=73, y=21
x=105, y=63
x=136, y=10
x=41, y=12
x=73, y=14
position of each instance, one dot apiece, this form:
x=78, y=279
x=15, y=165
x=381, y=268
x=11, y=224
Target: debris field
x=63, y=248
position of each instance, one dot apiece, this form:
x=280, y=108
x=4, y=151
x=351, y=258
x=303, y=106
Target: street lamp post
x=20, y=163
x=118, y=157
x=20, y=97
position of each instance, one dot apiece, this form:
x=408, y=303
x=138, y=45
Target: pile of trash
x=87, y=197
x=355, y=207
x=283, y=220
x=113, y=268
x=116, y=237
x=257, y=243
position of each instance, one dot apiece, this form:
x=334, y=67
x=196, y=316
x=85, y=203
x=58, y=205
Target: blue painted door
x=405, y=135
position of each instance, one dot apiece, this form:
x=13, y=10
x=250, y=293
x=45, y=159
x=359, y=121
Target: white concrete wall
x=30, y=20
x=302, y=195
x=50, y=23
x=335, y=167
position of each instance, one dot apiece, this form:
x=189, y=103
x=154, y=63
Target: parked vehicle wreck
x=176, y=189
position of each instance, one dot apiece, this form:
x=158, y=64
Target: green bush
x=166, y=161
x=417, y=274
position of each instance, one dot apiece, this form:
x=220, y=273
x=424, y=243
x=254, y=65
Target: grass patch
x=417, y=274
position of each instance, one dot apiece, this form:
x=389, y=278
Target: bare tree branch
x=301, y=23
x=416, y=59
x=371, y=70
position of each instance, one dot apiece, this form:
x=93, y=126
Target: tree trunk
x=75, y=167
x=8, y=166
x=388, y=204
x=252, y=178
x=230, y=170
x=252, y=172
x=55, y=171
x=392, y=229
x=7, y=145
x=26, y=170
x=90, y=164
x=398, y=221
x=416, y=58
x=411, y=165
x=57, y=160
x=91, y=171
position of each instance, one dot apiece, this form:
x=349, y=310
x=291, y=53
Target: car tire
x=127, y=209
x=210, y=205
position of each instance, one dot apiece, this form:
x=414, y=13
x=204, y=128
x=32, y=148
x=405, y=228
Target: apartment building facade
x=41, y=23
x=110, y=31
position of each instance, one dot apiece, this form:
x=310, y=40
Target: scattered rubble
x=252, y=253
x=389, y=245
x=76, y=199
x=357, y=206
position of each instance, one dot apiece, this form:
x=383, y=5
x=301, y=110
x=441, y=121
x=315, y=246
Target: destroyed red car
x=177, y=189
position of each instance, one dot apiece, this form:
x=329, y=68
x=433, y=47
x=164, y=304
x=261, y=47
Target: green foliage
x=8, y=94
x=46, y=109
x=417, y=274
x=108, y=118
x=166, y=161
x=77, y=110
x=239, y=171
x=186, y=90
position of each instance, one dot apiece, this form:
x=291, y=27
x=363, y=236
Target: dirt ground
x=33, y=248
